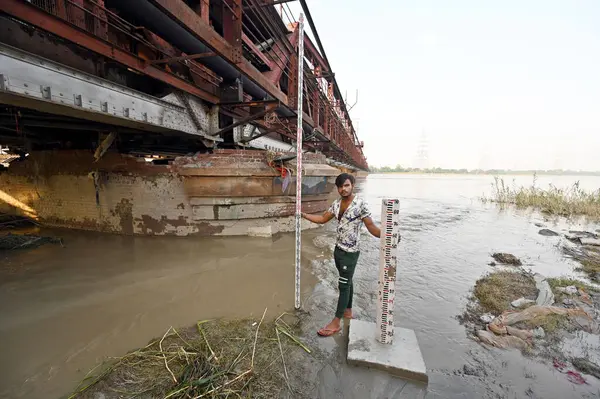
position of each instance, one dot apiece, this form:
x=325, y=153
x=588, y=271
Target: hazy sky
x=492, y=84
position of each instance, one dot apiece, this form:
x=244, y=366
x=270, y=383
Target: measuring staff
x=351, y=212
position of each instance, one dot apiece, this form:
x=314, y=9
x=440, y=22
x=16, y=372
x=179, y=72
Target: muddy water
x=62, y=310
x=448, y=236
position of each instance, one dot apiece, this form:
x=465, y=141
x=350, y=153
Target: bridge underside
x=165, y=78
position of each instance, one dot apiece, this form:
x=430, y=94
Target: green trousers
x=345, y=262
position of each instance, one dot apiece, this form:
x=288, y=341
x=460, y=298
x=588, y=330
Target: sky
x=469, y=83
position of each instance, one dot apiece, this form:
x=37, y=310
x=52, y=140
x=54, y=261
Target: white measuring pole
x=299, y=160
x=390, y=231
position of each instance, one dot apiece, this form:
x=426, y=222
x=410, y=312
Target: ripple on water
x=446, y=247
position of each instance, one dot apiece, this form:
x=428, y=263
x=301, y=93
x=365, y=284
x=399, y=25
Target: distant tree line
x=400, y=169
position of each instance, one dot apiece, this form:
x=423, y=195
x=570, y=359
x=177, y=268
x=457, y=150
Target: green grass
x=565, y=282
x=571, y=201
x=550, y=323
x=590, y=266
x=496, y=291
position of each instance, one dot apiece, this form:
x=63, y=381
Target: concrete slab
x=402, y=358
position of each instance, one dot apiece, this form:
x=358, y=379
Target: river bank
x=64, y=315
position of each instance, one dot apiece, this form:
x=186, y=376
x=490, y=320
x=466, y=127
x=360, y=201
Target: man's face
x=346, y=190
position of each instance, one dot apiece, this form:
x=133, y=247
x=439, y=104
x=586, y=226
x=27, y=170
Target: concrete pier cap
x=401, y=358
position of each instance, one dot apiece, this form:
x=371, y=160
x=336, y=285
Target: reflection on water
x=64, y=309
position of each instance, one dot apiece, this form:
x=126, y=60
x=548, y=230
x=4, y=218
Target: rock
x=570, y=290
x=569, y=302
x=586, y=367
x=487, y=318
x=590, y=241
x=539, y=332
x=507, y=259
x=582, y=234
x=517, y=303
x=492, y=264
x=548, y=233
x=539, y=225
x=596, y=277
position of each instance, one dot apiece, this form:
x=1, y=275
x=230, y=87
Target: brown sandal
x=326, y=332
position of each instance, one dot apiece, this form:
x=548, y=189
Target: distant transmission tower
x=423, y=152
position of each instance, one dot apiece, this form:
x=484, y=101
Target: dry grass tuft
x=216, y=358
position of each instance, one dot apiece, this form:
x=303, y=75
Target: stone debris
x=570, y=290
x=586, y=367
x=517, y=303
x=590, y=241
x=582, y=234
x=569, y=302
x=539, y=332
x=506, y=259
x=548, y=233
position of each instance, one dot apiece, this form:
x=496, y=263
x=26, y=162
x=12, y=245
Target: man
x=351, y=212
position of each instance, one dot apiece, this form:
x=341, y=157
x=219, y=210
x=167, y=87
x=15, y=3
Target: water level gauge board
x=388, y=261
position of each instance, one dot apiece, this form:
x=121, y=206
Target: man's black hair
x=341, y=179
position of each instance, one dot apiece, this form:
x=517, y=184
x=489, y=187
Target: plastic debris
x=572, y=376
x=545, y=296
x=506, y=341
x=585, y=298
x=487, y=318
x=500, y=328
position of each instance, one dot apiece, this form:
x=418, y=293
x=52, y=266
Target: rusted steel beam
x=249, y=103
x=311, y=50
x=27, y=13
x=279, y=54
x=250, y=118
x=256, y=51
x=268, y=3
x=180, y=12
x=232, y=27
x=182, y=58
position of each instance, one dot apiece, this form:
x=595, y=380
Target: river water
x=63, y=310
